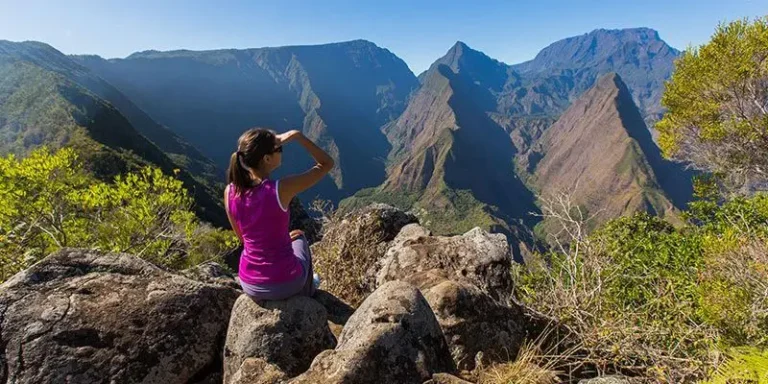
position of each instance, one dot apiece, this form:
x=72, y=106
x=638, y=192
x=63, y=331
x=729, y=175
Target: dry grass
x=539, y=361
x=346, y=254
x=650, y=300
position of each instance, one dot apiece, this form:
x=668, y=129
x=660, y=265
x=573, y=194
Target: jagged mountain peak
x=601, y=151
x=612, y=81
x=479, y=67
x=461, y=55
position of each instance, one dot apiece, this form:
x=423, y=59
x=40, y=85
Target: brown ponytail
x=252, y=146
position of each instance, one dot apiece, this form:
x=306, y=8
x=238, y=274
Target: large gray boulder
x=476, y=327
x=352, y=244
x=392, y=338
x=477, y=257
x=82, y=316
x=286, y=333
x=212, y=273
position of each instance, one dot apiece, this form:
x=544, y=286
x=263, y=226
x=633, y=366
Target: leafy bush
x=49, y=201
x=651, y=299
x=716, y=118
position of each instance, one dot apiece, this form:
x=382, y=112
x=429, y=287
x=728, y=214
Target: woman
x=275, y=264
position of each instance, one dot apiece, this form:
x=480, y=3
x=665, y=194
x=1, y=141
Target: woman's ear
x=268, y=160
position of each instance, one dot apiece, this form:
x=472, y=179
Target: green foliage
x=450, y=212
x=368, y=196
x=652, y=259
x=716, y=103
x=744, y=365
x=49, y=201
x=655, y=299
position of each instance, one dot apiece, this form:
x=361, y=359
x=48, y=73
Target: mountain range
x=48, y=99
x=338, y=94
x=471, y=141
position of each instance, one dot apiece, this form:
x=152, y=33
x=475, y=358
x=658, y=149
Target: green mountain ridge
x=50, y=59
x=42, y=106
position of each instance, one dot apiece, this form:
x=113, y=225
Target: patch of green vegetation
x=659, y=299
x=42, y=108
x=447, y=212
x=369, y=196
x=51, y=200
x=743, y=365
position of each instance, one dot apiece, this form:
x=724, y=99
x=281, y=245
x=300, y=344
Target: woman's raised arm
x=291, y=186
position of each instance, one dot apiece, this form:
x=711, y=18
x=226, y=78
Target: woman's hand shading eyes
x=286, y=137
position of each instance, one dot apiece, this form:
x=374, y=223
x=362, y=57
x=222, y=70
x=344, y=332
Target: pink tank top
x=267, y=256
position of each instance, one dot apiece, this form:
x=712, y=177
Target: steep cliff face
x=338, y=94
x=601, y=153
x=473, y=116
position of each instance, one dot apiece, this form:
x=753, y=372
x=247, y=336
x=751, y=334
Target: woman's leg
x=302, y=252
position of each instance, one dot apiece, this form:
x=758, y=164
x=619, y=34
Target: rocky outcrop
x=287, y=334
x=445, y=378
x=411, y=232
x=476, y=327
x=352, y=245
x=392, y=338
x=477, y=257
x=338, y=311
x=88, y=317
x=257, y=371
x=212, y=273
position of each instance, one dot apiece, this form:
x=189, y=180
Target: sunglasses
x=278, y=149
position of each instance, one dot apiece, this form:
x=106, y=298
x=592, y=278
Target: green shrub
x=652, y=299
x=743, y=365
x=49, y=201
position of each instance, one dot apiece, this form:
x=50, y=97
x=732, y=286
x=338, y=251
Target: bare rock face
x=352, y=245
x=392, y=338
x=476, y=327
x=287, y=334
x=82, y=316
x=478, y=257
x=212, y=273
x=445, y=378
x=411, y=232
x=258, y=371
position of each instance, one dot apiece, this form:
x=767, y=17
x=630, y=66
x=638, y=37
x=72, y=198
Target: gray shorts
x=299, y=286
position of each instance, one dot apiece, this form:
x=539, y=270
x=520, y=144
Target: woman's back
x=267, y=256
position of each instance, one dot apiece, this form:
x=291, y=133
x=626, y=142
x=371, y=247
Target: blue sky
x=417, y=31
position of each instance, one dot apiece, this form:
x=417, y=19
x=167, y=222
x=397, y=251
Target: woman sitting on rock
x=275, y=264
